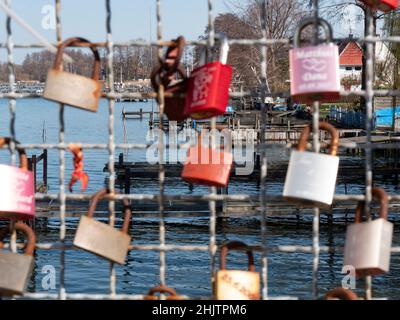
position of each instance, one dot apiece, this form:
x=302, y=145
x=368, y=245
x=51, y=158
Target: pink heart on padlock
x=313, y=64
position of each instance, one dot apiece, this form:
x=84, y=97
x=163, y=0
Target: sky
x=131, y=19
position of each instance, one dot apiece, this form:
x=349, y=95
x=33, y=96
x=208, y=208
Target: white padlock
x=311, y=177
x=368, y=244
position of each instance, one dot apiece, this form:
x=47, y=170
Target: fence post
x=45, y=168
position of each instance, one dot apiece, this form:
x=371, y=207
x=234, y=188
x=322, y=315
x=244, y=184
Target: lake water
x=188, y=272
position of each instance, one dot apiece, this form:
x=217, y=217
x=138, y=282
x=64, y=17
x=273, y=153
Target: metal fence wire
x=212, y=197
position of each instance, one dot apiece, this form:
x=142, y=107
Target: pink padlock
x=314, y=70
x=17, y=191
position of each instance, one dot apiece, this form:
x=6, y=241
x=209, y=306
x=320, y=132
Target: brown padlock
x=237, y=284
x=165, y=74
x=341, y=294
x=151, y=295
x=368, y=244
x=16, y=269
x=102, y=239
x=72, y=89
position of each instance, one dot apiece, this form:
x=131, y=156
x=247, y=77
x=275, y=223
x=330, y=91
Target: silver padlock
x=73, y=89
x=102, y=239
x=16, y=269
x=368, y=244
x=311, y=177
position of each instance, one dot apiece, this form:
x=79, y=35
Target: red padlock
x=383, y=5
x=208, y=88
x=207, y=166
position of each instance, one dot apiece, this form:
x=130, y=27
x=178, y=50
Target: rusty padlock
x=314, y=70
x=17, y=190
x=237, y=284
x=311, y=177
x=207, y=166
x=341, y=294
x=165, y=74
x=16, y=269
x=208, y=88
x=151, y=295
x=383, y=5
x=72, y=89
x=102, y=239
x=368, y=244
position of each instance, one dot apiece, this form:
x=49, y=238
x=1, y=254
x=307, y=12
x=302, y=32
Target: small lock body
x=102, y=239
x=311, y=178
x=17, y=189
x=15, y=268
x=237, y=284
x=72, y=89
x=368, y=246
x=17, y=194
x=175, y=106
x=383, y=5
x=15, y=271
x=208, y=167
x=208, y=91
x=314, y=73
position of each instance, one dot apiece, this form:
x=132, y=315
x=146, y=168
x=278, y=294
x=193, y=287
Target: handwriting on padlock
x=202, y=82
x=239, y=287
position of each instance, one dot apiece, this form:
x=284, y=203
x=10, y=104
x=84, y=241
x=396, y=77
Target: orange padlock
x=208, y=167
x=151, y=295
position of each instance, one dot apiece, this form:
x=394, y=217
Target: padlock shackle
x=76, y=41
x=161, y=289
x=381, y=195
x=341, y=294
x=29, y=235
x=23, y=159
x=127, y=208
x=309, y=21
x=223, y=58
x=169, y=65
x=333, y=146
x=236, y=245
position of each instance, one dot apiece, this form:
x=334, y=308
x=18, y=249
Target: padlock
x=208, y=88
x=237, y=284
x=17, y=190
x=72, y=89
x=102, y=239
x=165, y=74
x=314, y=70
x=16, y=269
x=341, y=294
x=383, y=5
x=311, y=177
x=207, y=166
x=151, y=295
x=368, y=244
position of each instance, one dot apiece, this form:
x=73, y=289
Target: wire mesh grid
x=212, y=197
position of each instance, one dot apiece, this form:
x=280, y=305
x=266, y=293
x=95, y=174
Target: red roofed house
x=350, y=60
